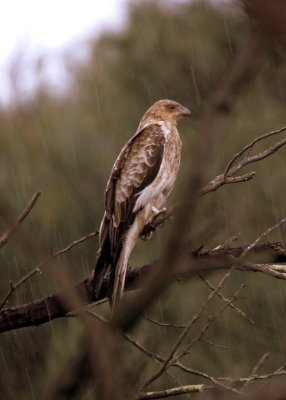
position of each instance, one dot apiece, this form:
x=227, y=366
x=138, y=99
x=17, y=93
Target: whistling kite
x=141, y=179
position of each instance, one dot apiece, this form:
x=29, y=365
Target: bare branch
x=171, y=358
x=255, y=369
x=158, y=359
x=162, y=394
x=164, y=324
x=234, y=167
x=209, y=323
x=222, y=297
x=265, y=233
x=275, y=270
x=250, y=146
x=51, y=307
x=37, y=269
x=6, y=235
x=278, y=372
x=218, y=346
x=216, y=381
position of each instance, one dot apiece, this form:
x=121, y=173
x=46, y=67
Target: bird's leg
x=156, y=222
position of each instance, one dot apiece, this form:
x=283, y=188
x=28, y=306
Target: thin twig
x=37, y=269
x=274, y=270
x=228, y=176
x=180, y=339
x=227, y=242
x=217, y=381
x=250, y=146
x=209, y=323
x=213, y=344
x=157, y=358
x=222, y=297
x=278, y=372
x=26, y=211
x=255, y=370
x=265, y=233
x=164, y=324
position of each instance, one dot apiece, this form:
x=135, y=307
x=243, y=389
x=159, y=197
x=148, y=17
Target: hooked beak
x=185, y=112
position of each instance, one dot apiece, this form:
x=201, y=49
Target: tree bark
x=51, y=307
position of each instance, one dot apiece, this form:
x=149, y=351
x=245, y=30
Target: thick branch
x=51, y=307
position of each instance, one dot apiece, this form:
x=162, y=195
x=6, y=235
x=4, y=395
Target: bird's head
x=166, y=110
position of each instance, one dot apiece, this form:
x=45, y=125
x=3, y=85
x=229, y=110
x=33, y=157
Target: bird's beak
x=185, y=112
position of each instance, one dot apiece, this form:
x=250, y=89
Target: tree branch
x=176, y=391
x=6, y=235
x=52, y=307
x=37, y=269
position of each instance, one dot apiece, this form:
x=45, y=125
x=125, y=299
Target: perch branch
x=51, y=307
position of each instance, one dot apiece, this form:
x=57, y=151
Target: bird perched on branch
x=141, y=179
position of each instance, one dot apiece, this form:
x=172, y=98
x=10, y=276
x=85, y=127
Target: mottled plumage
x=141, y=179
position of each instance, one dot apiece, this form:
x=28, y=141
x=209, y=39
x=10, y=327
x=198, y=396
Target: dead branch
x=37, y=269
x=218, y=346
x=250, y=147
x=171, y=358
x=234, y=166
x=218, y=382
x=162, y=394
x=255, y=369
x=26, y=211
x=263, y=234
x=52, y=307
x=164, y=324
x=274, y=390
x=210, y=321
x=223, y=298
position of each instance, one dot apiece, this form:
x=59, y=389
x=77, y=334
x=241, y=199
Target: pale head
x=165, y=110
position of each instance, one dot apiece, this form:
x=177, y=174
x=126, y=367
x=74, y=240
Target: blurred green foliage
x=65, y=145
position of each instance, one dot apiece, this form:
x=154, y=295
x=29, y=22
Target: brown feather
x=135, y=168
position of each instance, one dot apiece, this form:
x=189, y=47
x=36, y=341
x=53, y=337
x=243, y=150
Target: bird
x=141, y=179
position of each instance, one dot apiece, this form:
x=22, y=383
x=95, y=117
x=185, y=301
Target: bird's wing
x=135, y=168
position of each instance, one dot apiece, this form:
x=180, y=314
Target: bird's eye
x=172, y=107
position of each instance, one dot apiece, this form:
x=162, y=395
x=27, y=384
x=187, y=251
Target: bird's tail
x=99, y=272
x=103, y=257
x=119, y=279
x=128, y=243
